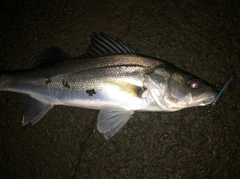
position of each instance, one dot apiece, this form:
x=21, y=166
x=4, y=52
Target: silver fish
x=110, y=76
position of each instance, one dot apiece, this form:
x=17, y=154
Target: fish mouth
x=209, y=101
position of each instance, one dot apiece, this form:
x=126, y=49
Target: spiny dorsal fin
x=103, y=45
x=50, y=56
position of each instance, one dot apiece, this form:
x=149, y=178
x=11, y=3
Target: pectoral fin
x=121, y=87
x=112, y=119
x=34, y=109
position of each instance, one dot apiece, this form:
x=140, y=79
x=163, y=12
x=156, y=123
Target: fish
x=111, y=76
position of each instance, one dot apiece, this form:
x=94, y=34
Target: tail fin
x=5, y=80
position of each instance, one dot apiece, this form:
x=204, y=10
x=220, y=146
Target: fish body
x=93, y=84
x=110, y=76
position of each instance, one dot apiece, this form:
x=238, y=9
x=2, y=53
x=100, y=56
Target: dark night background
x=200, y=36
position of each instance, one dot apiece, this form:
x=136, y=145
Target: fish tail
x=5, y=80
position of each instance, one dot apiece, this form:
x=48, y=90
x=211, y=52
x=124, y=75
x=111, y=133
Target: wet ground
x=201, y=37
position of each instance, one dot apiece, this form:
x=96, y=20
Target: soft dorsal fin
x=50, y=56
x=103, y=45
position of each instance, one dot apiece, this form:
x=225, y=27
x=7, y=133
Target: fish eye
x=194, y=84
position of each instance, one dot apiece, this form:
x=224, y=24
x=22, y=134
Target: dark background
x=201, y=37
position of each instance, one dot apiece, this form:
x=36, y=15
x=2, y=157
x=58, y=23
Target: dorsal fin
x=51, y=55
x=103, y=45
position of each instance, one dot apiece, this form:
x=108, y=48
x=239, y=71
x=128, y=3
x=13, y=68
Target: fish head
x=174, y=89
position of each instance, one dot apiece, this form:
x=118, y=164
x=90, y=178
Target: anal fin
x=111, y=119
x=34, y=110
